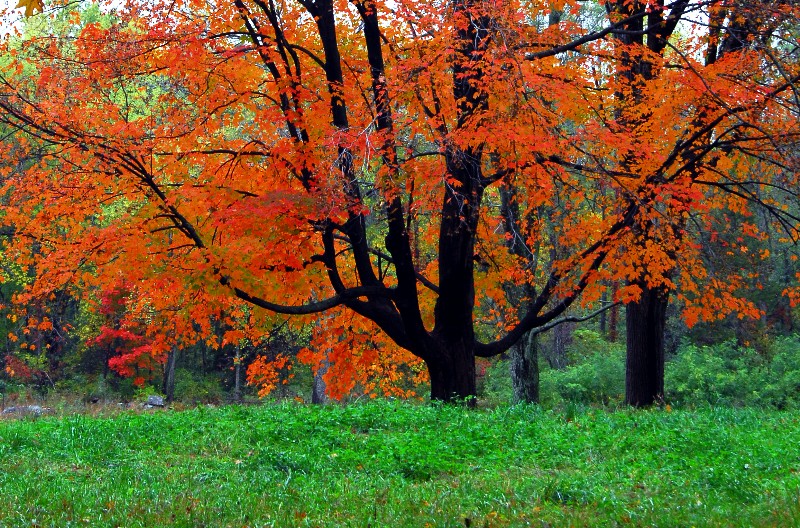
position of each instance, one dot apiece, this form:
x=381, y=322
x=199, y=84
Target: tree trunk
x=562, y=338
x=524, y=369
x=452, y=373
x=644, y=364
x=613, y=315
x=169, y=375
x=603, y=316
x=319, y=389
x=237, y=375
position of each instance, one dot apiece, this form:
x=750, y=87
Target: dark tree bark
x=169, y=375
x=452, y=373
x=644, y=363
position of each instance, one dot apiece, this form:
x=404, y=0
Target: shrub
x=782, y=384
x=728, y=374
x=720, y=374
x=586, y=344
x=597, y=375
x=496, y=387
x=195, y=388
x=597, y=379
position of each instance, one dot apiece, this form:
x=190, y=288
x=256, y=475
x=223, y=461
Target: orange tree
x=362, y=158
x=725, y=139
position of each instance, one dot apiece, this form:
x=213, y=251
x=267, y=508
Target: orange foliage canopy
x=401, y=165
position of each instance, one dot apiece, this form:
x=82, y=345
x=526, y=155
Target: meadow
x=397, y=464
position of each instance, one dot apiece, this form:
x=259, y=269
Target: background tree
x=646, y=50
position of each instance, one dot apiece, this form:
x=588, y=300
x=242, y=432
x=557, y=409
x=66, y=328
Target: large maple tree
x=400, y=165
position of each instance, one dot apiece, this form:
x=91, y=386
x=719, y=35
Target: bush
x=195, y=388
x=597, y=379
x=700, y=375
x=586, y=344
x=782, y=384
x=720, y=374
x=727, y=374
x=597, y=375
x=496, y=388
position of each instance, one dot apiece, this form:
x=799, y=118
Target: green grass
x=397, y=464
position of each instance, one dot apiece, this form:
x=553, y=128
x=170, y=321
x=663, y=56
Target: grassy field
x=397, y=464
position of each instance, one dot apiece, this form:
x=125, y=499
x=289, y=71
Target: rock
x=154, y=401
x=28, y=410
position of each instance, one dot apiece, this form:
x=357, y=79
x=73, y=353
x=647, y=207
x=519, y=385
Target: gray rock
x=28, y=410
x=154, y=401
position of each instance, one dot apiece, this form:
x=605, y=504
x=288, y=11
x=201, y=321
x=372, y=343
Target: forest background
x=574, y=202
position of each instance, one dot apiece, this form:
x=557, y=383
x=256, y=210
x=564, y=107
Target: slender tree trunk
x=237, y=375
x=644, y=364
x=169, y=375
x=604, y=316
x=562, y=338
x=319, y=395
x=524, y=369
x=613, y=316
x=788, y=320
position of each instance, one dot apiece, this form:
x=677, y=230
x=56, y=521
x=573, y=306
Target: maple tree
x=131, y=353
x=441, y=178
x=737, y=33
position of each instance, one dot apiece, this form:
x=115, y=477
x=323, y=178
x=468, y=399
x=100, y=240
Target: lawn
x=399, y=464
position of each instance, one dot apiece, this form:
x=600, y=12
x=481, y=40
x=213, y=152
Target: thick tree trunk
x=644, y=364
x=524, y=369
x=452, y=373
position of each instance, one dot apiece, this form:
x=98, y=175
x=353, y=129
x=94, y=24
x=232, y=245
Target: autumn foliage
x=439, y=177
x=133, y=353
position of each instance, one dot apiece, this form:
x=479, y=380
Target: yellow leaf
x=30, y=6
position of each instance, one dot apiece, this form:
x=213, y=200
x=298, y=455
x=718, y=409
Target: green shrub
x=782, y=383
x=721, y=374
x=194, y=388
x=586, y=344
x=598, y=379
x=596, y=375
x=701, y=375
x=496, y=387
x=728, y=374
x=12, y=392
